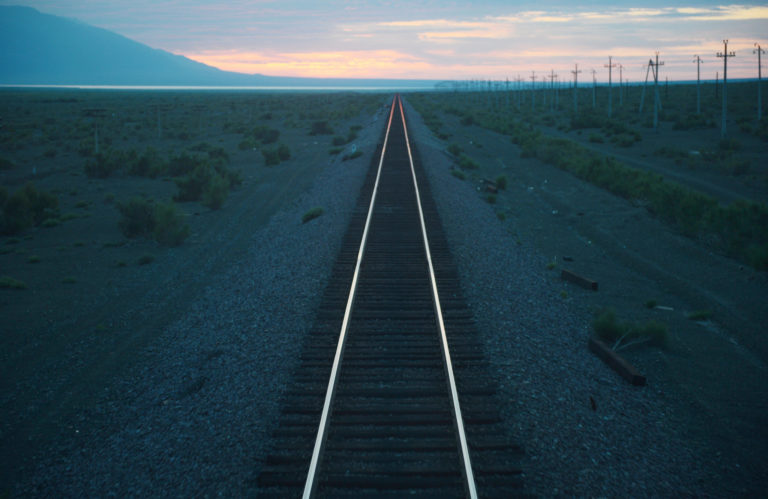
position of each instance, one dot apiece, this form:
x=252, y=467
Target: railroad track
x=392, y=396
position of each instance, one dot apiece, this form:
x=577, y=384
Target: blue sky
x=437, y=39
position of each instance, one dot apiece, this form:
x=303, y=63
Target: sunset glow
x=479, y=40
x=350, y=64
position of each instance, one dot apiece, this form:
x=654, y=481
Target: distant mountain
x=42, y=49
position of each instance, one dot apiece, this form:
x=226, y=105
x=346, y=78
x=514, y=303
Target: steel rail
x=311, y=483
x=468, y=474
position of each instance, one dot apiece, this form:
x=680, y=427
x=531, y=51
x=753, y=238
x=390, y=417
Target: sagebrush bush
x=103, y=164
x=321, y=128
x=184, y=164
x=170, y=229
x=215, y=192
x=138, y=217
x=622, y=335
x=606, y=326
x=455, y=150
x=192, y=186
x=283, y=152
x=467, y=163
x=27, y=207
x=265, y=135
x=271, y=157
x=149, y=164
x=144, y=218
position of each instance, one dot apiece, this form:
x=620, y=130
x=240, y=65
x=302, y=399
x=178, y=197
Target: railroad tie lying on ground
x=617, y=362
x=567, y=275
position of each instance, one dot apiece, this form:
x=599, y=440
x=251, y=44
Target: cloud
x=441, y=30
x=433, y=23
x=429, y=39
x=325, y=64
x=724, y=13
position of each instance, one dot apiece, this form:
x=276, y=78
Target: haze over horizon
x=489, y=39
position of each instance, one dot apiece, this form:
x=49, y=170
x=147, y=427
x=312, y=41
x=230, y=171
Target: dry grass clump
x=7, y=282
x=312, y=214
x=622, y=335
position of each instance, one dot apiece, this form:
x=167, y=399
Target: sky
x=440, y=40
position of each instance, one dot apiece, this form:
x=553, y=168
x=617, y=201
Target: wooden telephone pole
x=698, y=83
x=610, y=67
x=759, y=51
x=552, y=77
x=725, y=55
x=576, y=72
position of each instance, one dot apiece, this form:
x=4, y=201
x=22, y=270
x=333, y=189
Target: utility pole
x=759, y=51
x=594, y=87
x=610, y=66
x=656, y=98
x=717, y=84
x=519, y=81
x=576, y=72
x=645, y=85
x=552, y=77
x=698, y=83
x=533, y=90
x=725, y=55
x=621, y=85
x=506, y=91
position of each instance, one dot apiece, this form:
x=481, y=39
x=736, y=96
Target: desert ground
x=87, y=302
x=94, y=299
x=712, y=369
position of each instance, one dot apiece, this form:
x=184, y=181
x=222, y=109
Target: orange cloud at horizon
x=341, y=64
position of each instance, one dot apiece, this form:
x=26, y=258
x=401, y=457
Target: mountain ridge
x=43, y=49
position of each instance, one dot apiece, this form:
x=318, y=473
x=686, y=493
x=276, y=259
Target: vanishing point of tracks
x=392, y=397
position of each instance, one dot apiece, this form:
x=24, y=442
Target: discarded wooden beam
x=617, y=362
x=567, y=275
